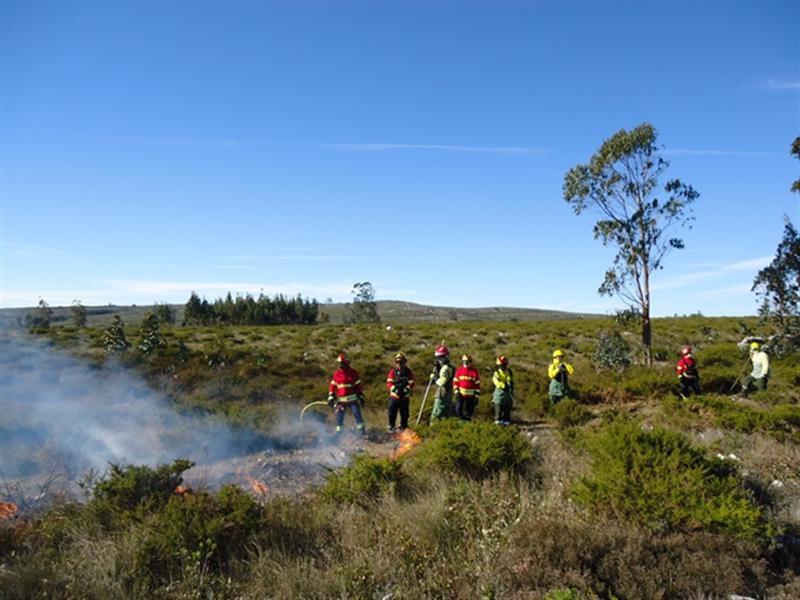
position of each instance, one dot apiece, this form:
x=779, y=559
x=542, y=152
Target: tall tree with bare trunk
x=622, y=183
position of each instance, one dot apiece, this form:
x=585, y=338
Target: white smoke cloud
x=60, y=414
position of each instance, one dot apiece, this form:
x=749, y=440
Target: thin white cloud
x=265, y=257
x=31, y=250
x=167, y=288
x=10, y=298
x=684, y=279
x=134, y=291
x=726, y=292
x=781, y=85
x=279, y=249
x=383, y=147
x=748, y=265
x=233, y=267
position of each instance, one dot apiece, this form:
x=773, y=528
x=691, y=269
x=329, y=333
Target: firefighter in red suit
x=345, y=392
x=688, y=374
x=466, y=388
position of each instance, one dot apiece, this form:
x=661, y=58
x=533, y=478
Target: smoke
x=59, y=414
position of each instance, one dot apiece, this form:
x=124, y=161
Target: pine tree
x=114, y=338
x=42, y=318
x=78, y=314
x=165, y=314
x=152, y=340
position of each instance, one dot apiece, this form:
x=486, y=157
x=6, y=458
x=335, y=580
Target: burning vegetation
x=7, y=510
x=406, y=440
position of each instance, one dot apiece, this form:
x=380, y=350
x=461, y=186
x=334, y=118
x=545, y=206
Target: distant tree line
x=246, y=310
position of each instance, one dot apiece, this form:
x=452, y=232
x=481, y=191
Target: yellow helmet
x=558, y=353
x=466, y=358
x=754, y=345
x=400, y=357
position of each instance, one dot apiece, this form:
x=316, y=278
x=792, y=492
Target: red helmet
x=342, y=359
x=442, y=351
x=686, y=349
x=502, y=360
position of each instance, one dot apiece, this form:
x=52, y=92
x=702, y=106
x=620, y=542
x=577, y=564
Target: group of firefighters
x=457, y=392
x=689, y=376
x=458, y=389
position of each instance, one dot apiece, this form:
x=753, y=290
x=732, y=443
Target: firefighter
x=559, y=372
x=759, y=376
x=688, y=374
x=345, y=392
x=400, y=383
x=466, y=388
x=442, y=376
x=503, y=395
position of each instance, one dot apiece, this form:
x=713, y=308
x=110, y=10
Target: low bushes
x=364, y=480
x=780, y=421
x=475, y=449
x=659, y=480
x=569, y=413
x=608, y=558
x=130, y=491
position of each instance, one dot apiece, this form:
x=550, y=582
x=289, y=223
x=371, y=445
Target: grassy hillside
x=624, y=492
x=390, y=311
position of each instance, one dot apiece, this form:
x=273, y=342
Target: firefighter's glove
x=331, y=401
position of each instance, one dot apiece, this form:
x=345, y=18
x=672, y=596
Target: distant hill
x=394, y=311
x=390, y=311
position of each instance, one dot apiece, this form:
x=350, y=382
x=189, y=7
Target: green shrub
x=198, y=532
x=569, y=413
x=661, y=481
x=648, y=382
x=130, y=488
x=475, y=449
x=781, y=420
x=613, y=351
x=364, y=481
x=566, y=594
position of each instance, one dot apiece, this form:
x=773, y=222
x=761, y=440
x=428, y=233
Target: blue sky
x=152, y=148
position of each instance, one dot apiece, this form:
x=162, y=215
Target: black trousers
x=689, y=385
x=398, y=405
x=502, y=412
x=465, y=406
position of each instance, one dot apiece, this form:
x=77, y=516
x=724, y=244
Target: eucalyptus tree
x=622, y=182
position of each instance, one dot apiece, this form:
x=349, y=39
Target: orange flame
x=258, y=487
x=408, y=439
x=182, y=490
x=7, y=510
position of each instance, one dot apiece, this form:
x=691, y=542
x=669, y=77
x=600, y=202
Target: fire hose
x=424, y=398
x=309, y=405
x=742, y=371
